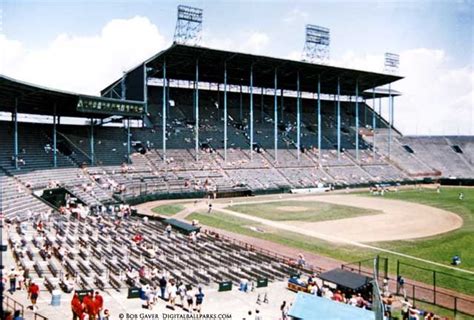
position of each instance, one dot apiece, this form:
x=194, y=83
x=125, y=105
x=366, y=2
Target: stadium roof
x=345, y=279
x=34, y=99
x=181, y=62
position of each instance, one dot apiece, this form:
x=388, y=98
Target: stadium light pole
x=196, y=107
x=225, y=111
x=15, y=138
x=298, y=116
x=251, y=112
x=357, y=118
x=275, y=112
x=374, y=122
x=338, y=119
x=319, y=118
x=55, y=156
x=163, y=111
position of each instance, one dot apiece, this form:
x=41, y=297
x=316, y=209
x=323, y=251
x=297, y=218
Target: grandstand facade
x=193, y=120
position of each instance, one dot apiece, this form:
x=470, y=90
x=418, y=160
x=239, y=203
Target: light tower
x=392, y=63
x=316, y=46
x=188, y=26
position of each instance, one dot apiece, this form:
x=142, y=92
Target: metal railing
x=13, y=305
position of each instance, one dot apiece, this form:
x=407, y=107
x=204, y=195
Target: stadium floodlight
x=316, y=46
x=188, y=26
x=392, y=63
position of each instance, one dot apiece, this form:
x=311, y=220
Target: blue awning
x=311, y=307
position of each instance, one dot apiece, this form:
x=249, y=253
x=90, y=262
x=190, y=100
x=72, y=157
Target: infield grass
x=168, y=209
x=293, y=210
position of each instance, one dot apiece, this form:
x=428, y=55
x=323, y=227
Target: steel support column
x=145, y=88
x=357, y=119
x=92, y=142
x=389, y=119
x=282, y=105
x=261, y=106
x=319, y=119
x=374, y=123
x=338, y=119
x=55, y=155
x=225, y=111
x=298, y=116
x=251, y=112
x=15, y=137
x=128, y=142
x=163, y=112
x=240, y=105
x=275, y=112
x=196, y=107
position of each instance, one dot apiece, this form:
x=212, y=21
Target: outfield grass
x=293, y=210
x=168, y=209
x=439, y=248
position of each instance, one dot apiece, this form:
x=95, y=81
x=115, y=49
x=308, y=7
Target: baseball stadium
x=208, y=183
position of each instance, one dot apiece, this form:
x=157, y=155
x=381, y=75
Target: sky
x=84, y=45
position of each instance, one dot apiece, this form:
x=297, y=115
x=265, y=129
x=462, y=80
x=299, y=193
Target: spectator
x=189, y=300
x=199, y=299
x=17, y=315
x=12, y=275
x=172, y=292
x=163, y=284
x=284, y=311
x=301, y=261
x=405, y=307
x=76, y=307
x=33, y=292
x=100, y=302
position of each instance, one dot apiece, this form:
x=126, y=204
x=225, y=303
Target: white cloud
x=294, y=55
x=83, y=63
x=437, y=99
x=295, y=15
x=248, y=42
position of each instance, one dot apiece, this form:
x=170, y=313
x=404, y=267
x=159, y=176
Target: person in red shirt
x=76, y=307
x=99, y=300
x=33, y=292
x=137, y=238
x=86, y=301
x=93, y=308
x=338, y=296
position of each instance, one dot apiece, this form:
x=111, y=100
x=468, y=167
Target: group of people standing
x=91, y=305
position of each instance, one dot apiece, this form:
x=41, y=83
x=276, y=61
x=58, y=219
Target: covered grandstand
x=216, y=121
x=194, y=122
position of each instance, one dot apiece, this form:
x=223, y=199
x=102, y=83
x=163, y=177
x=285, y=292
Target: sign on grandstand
x=110, y=107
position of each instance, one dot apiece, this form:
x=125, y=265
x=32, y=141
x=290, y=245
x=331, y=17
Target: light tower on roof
x=316, y=46
x=188, y=26
x=392, y=63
